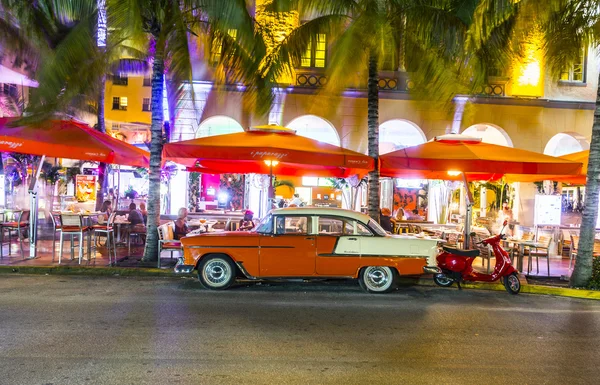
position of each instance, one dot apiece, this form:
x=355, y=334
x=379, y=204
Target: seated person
x=144, y=211
x=136, y=221
x=385, y=220
x=400, y=215
x=106, y=209
x=246, y=223
x=181, y=228
x=413, y=215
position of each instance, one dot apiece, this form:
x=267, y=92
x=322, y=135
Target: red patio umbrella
x=451, y=154
x=64, y=139
x=457, y=156
x=69, y=139
x=253, y=151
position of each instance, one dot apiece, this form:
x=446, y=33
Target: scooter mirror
x=472, y=234
x=505, y=223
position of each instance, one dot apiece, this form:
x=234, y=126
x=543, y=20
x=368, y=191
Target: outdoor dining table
x=118, y=225
x=522, y=244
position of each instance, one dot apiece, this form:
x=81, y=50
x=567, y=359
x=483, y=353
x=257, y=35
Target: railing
x=494, y=88
x=388, y=80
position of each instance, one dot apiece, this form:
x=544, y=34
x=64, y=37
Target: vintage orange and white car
x=309, y=243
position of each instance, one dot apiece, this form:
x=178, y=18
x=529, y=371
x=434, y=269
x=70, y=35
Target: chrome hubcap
x=513, y=282
x=216, y=272
x=443, y=279
x=377, y=278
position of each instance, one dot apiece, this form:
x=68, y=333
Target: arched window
x=566, y=143
x=397, y=134
x=218, y=125
x=316, y=128
x=489, y=133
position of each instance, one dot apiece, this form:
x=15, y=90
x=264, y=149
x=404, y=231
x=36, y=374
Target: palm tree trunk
x=583, y=264
x=156, y=145
x=101, y=126
x=373, y=134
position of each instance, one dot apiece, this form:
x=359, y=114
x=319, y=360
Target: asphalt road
x=86, y=330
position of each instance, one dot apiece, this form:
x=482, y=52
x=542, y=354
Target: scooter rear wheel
x=442, y=280
x=512, y=283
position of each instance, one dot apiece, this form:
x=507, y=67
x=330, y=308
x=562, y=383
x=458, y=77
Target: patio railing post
x=33, y=210
x=469, y=213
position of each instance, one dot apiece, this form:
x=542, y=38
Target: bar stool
x=20, y=223
x=72, y=224
x=107, y=231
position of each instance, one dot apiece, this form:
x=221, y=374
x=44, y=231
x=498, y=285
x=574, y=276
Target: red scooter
x=456, y=266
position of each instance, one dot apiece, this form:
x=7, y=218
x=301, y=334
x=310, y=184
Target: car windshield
x=265, y=226
x=377, y=228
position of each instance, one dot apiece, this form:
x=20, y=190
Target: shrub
x=595, y=281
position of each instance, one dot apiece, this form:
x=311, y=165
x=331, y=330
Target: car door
x=291, y=250
x=338, y=248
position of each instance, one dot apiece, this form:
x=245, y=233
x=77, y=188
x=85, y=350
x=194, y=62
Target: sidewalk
x=132, y=265
x=98, y=260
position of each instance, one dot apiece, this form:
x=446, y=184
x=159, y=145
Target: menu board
x=85, y=188
x=548, y=209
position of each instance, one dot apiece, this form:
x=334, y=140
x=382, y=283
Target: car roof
x=322, y=211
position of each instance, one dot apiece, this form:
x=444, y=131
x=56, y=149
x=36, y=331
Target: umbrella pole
x=33, y=211
x=469, y=213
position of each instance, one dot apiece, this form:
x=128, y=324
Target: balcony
x=120, y=81
x=388, y=80
x=495, y=87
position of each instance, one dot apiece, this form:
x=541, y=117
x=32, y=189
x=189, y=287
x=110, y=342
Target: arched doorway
x=397, y=134
x=316, y=128
x=218, y=125
x=489, y=133
x=566, y=143
x=394, y=135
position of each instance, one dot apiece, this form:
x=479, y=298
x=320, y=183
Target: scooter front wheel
x=442, y=280
x=512, y=283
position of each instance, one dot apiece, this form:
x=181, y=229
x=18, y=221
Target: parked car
x=309, y=243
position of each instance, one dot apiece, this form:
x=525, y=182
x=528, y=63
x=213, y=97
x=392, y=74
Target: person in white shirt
x=296, y=201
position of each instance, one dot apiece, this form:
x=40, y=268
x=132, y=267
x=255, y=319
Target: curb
x=154, y=272
x=91, y=271
x=525, y=288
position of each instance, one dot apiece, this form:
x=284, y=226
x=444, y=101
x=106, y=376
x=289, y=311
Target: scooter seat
x=461, y=252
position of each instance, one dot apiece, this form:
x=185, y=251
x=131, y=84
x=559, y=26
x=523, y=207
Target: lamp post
x=271, y=164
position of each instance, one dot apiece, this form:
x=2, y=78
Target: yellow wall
x=135, y=93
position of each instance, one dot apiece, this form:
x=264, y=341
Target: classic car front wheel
x=377, y=279
x=216, y=272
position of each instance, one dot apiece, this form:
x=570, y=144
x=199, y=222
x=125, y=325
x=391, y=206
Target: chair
x=166, y=240
x=56, y=227
x=20, y=224
x=72, y=224
x=543, y=251
x=485, y=252
x=573, y=249
x=107, y=230
x=138, y=231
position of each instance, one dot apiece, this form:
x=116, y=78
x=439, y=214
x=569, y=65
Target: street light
x=271, y=164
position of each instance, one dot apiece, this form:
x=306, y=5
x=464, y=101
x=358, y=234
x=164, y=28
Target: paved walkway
x=558, y=266
x=99, y=256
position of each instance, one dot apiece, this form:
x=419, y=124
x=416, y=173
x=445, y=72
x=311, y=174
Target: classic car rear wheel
x=377, y=279
x=216, y=272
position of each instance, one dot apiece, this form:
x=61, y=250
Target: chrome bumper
x=181, y=268
x=431, y=270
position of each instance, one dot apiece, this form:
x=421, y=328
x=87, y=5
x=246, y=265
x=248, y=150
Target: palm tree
x=570, y=26
x=164, y=26
x=426, y=37
x=59, y=39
